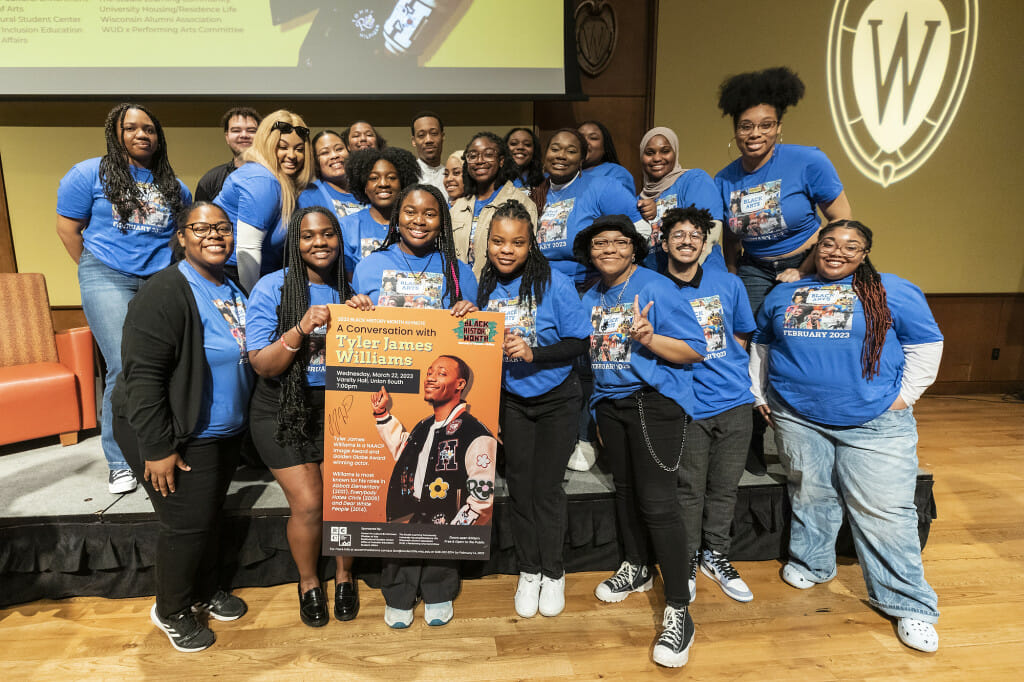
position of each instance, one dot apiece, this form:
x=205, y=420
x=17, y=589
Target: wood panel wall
x=621, y=97
x=973, y=326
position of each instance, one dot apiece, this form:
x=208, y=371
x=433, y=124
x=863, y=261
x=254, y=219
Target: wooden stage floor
x=973, y=445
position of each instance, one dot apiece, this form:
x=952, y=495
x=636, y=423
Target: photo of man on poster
x=444, y=467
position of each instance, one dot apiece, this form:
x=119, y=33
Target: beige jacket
x=462, y=223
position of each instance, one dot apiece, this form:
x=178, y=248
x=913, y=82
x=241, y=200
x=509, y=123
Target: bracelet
x=287, y=347
x=298, y=328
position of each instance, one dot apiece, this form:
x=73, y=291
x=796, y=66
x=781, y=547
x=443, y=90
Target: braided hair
x=444, y=243
x=536, y=270
x=539, y=194
x=532, y=173
x=119, y=185
x=294, y=426
x=867, y=284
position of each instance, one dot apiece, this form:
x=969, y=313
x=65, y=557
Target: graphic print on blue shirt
x=760, y=212
x=520, y=320
x=610, y=345
x=829, y=308
x=712, y=320
x=552, y=226
x=400, y=289
x=228, y=382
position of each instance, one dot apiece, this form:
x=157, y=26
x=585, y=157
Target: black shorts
x=263, y=411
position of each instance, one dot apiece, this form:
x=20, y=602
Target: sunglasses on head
x=287, y=129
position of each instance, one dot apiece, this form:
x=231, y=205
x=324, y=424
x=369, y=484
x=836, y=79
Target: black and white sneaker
x=717, y=567
x=628, y=579
x=120, y=481
x=184, y=631
x=222, y=606
x=672, y=648
x=692, y=582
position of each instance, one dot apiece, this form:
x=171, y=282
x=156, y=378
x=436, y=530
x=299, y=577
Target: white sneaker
x=438, y=614
x=716, y=566
x=583, y=456
x=918, y=634
x=552, y=596
x=398, y=619
x=528, y=594
x=795, y=578
x=121, y=481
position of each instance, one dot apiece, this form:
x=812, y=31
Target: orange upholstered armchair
x=46, y=379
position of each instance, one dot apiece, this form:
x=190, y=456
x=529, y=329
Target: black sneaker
x=222, y=606
x=628, y=579
x=184, y=631
x=672, y=648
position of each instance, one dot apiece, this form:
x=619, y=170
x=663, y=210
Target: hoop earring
x=729, y=152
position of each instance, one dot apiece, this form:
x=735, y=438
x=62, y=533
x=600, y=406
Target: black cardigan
x=163, y=365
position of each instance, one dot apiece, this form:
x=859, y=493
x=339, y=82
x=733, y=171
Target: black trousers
x=716, y=450
x=539, y=436
x=403, y=580
x=187, y=551
x=643, y=436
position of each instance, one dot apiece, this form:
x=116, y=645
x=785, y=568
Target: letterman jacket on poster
x=444, y=471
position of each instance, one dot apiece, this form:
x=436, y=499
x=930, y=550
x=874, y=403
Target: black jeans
x=643, y=436
x=188, y=546
x=539, y=437
x=403, y=580
x=716, y=450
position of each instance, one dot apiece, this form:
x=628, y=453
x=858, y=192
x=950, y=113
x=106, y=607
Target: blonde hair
x=264, y=152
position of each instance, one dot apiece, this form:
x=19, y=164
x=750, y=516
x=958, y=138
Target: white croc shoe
x=918, y=634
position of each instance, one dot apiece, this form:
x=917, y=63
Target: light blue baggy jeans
x=870, y=472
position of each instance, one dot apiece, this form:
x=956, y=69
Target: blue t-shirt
x=692, y=187
x=395, y=279
x=774, y=209
x=560, y=315
x=229, y=378
x=816, y=332
x=361, y=235
x=720, y=304
x=575, y=208
x=144, y=247
x=262, y=326
x=252, y=195
x=320, y=193
x=613, y=171
x=622, y=367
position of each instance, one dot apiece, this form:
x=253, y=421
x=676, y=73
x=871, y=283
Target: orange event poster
x=409, y=432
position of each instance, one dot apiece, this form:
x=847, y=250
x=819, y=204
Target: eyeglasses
x=489, y=154
x=287, y=129
x=746, y=128
x=830, y=246
x=601, y=244
x=201, y=230
x=680, y=235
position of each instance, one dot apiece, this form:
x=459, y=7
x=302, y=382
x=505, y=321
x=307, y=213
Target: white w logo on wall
x=897, y=71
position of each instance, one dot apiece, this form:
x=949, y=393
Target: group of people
x=627, y=327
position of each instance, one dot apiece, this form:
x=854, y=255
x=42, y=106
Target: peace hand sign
x=641, y=331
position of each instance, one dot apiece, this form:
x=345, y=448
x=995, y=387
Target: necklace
x=409, y=265
x=621, y=291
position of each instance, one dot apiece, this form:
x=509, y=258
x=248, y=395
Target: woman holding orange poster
x=416, y=267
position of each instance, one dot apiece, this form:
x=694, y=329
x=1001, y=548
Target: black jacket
x=163, y=365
